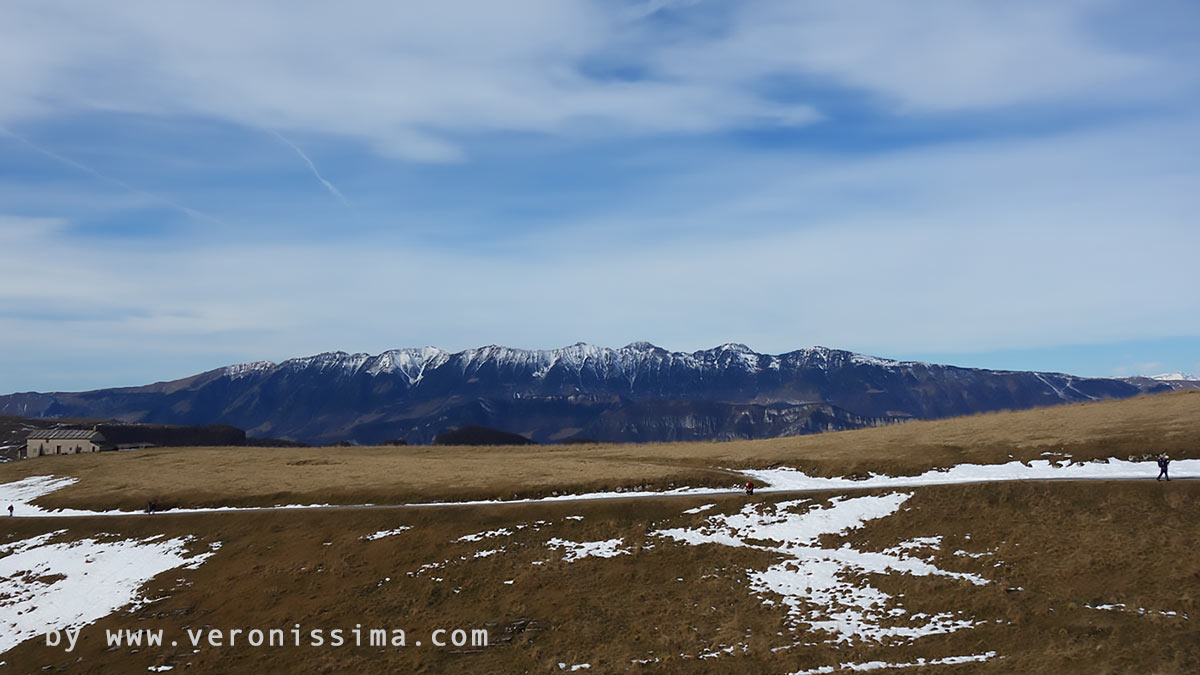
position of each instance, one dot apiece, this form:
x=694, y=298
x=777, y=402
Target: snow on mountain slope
x=1174, y=377
x=411, y=363
x=243, y=369
x=604, y=361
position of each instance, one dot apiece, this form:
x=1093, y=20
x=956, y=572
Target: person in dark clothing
x=1163, y=461
x=10, y=510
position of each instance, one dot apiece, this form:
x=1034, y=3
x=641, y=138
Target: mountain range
x=636, y=393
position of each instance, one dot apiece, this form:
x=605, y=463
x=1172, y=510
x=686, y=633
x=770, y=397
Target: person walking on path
x=1163, y=461
x=750, y=487
x=10, y=510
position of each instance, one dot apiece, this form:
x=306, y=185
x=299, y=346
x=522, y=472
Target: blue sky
x=188, y=185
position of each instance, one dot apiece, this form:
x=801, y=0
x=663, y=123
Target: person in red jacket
x=749, y=487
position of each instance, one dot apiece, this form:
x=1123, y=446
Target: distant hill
x=636, y=393
x=477, y=435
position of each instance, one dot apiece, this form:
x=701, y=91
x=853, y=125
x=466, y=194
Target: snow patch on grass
x=500, y=532
x=824, y=587
x=48, y=586
x=385, y=533
x=577, y=550
x=480, y=536
x=1040, y=469
x=880, y=665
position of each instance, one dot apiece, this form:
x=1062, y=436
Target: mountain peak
x=240, y=369
x=735, y=347
x=1173, y=377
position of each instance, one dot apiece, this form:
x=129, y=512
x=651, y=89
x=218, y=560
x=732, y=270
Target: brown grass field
x=1065, y=545
x=389, y=475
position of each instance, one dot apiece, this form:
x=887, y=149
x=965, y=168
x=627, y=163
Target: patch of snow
x=428, y=567
x=699, y=509
x=880, y=665
x=1140, y=611
x=823, y=587
x=918, y=542
x=480, y=536
x=1039, y=469
x=47, y=586
x=385, y=533
x=721, y=651
x=609, y=548
x=32, y=542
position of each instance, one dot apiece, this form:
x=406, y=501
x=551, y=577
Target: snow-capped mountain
x=639, y=392
x=1174, y=377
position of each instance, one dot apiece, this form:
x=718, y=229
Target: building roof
x=67, y=434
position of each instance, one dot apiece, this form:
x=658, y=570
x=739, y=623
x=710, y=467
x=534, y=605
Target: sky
x=189, y=185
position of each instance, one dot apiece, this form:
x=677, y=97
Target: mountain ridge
x=639, y=392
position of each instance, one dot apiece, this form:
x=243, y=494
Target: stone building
x=64, y=442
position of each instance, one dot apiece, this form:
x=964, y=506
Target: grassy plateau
x=1074, y=577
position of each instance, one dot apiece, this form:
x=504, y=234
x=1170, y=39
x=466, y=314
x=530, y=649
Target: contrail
x=199, y=215
x=313, y=167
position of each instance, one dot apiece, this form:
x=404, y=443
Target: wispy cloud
x=80, y=166
x=312, y=167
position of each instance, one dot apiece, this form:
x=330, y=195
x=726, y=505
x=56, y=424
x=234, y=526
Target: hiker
x=749, y=487
x=10, y=510
x=1163, y=461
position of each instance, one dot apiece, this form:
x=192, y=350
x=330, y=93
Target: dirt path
x=699, y=493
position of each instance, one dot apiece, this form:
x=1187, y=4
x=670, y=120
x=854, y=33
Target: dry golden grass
x=265, y=476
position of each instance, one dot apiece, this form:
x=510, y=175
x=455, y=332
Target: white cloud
x=928, y=56
x=408, y=79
